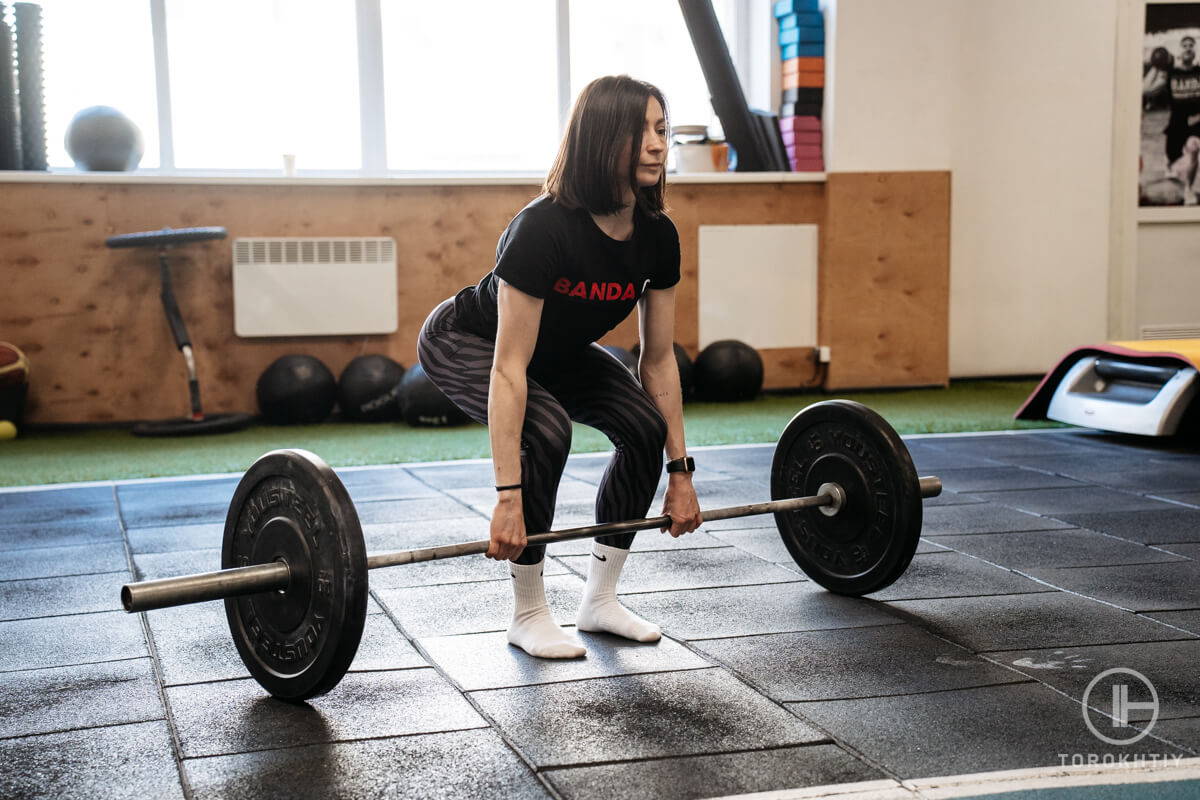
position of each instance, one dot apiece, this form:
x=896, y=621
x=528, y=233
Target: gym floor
x=1052, y=556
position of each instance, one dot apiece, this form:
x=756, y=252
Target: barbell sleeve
x=186, y=589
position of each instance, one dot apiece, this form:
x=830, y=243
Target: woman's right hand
x=508, y=528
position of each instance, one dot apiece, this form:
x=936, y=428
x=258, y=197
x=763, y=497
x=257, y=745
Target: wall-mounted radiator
x=314, y=286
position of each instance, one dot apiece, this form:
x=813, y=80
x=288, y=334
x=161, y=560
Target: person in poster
x=1171, y=105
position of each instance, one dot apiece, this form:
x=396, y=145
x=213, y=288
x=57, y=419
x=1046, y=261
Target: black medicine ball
x=423, y=404
x=683, y=361
x=369, y=389
x=728, y=371
x=296, y=390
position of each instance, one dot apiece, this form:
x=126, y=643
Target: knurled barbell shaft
x=237, y=581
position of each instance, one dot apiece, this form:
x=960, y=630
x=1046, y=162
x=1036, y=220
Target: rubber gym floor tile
x=929, y=458
x=174, y=538
x=364, y=705
x=46, y=534
x=77, y=594
x=421, y=509
x=1169, y=666
x=643, y=542
x=185, y=492
x=733, y=460
x=81, y=639
x=1047, y=549
x=853, y=662
x=1188, y=620
x=765, y=543
x=466, y=569
x=950, y=574
x=1151, y=477
x=93, y=504
x=1180, y=732
x=983, y=518
x=163, y=514
x=1072, y=501
x=1004, y=447
x=473, y=763
x=385, y=536
x=658, y=571
x=1191, y=498
x=1137, y=587
x=1020, y=621
x=384, y=483
x=996, y=478
x=965, y=730
x=949, y=498
x=456, y=476
x=66, y=698
x=488, y=661
x=640, y=716
x=194, y=645
x=1164, y=526
x=1187, y=550
x=49, y=562
x=126, y=761
x=747, y=610
x=711, y=775
x=483, y=499
x=472, y=607
x=152, y=566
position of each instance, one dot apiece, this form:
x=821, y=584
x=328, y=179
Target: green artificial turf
x=115, y=454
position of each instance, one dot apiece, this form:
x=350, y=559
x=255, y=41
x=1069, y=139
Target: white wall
x=1015, y=97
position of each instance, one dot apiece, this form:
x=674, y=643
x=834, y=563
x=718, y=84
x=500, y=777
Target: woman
x=517, y=353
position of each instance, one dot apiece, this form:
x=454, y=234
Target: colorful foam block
x=798, y=124
x=784, y=7
x=808, y=165
x=801, y=21
x=807, y=80
x=800, y=110
x=804, y=152
x=790, y=67
x=802, y=95
x=801, y=50
x=802, y=36
x=801, y=137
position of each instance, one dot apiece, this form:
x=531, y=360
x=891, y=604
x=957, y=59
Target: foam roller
x=29, y=83
x=10, y=119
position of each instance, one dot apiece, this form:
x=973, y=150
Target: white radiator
x=758, y=284
x=297, y=286
x=1171, y=331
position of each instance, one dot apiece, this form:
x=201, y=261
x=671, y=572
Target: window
x=472, y=85
x=98, y=54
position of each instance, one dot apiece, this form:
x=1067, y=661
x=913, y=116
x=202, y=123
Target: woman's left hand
x=681, y=505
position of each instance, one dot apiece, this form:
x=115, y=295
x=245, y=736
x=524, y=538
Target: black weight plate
x=299, y=642
x=870, y=542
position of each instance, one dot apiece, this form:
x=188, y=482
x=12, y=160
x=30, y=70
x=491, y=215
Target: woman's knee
x=547, y=435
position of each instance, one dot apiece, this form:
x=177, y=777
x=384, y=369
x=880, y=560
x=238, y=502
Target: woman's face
x=652, y=159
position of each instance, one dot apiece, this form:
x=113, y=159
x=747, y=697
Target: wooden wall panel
x=884, y=282
x=91, y=321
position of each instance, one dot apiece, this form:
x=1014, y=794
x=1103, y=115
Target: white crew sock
x=533, y=629
x=600, y=610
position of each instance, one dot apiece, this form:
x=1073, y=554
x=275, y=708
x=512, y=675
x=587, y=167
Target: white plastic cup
x=289, y=165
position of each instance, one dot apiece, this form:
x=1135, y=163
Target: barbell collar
x=187, y=589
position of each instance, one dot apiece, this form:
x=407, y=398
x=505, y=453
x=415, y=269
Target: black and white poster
x=1170, y=142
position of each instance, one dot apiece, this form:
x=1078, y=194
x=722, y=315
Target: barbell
x=845, y=495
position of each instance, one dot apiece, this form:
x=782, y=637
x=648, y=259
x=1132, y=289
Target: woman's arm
x=660, y=378
x=520, y=316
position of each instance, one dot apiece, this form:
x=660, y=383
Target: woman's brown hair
x=609, y=114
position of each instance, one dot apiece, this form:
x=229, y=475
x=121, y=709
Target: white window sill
x=1168, y=214
x=249, y=178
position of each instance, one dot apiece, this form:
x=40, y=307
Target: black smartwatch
x=685, y=464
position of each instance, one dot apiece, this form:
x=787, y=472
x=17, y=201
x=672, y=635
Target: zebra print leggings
x=594, y=389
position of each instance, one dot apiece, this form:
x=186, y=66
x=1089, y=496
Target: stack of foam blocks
x=802, y=52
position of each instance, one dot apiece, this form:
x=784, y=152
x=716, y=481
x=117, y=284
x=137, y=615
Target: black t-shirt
x=588, y=281
x=1183, y=84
